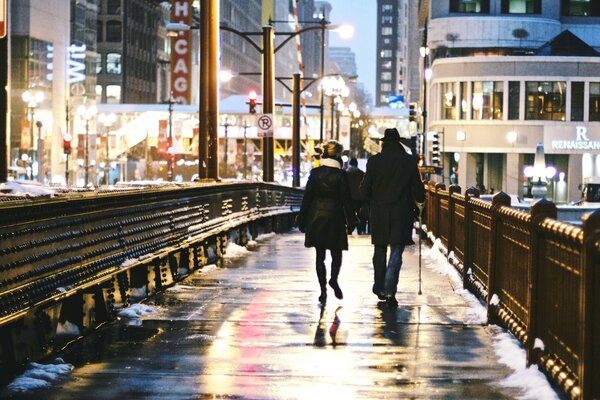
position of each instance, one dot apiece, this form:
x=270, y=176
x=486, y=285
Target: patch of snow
x=538, y=344
x=67, y=328
x=40, y=376
x=207, y=268
x=135, y=311
x=128, y=262
x=266, y=236
x=235, y=251
x=180, y=288
x=28, y=188
x=201, y=337
x=138, y=293
x=495, y=300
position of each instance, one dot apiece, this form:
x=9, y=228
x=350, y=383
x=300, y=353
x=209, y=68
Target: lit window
x=113, y=94
x=470, y=6
x=546, y=100
x=113, y=63
x=386, y=31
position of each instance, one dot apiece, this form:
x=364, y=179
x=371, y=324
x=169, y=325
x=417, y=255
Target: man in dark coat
x=392, y=184
x=355, y=177
x=326, y=213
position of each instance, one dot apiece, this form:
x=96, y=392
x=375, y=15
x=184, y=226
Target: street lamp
x=33, y=100
x=336, y=89
x=226, y=122
x=87, y=113
x=424, y=51
x=107, y=120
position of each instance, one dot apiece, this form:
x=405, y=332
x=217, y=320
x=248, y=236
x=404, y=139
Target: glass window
x=581, y=8
x=521, y=6
x=99, y=91
x=470, y=6
x=113, y=7
x=386, y=87
x=387, y=8
x=385, y=53
x=487, y=100
x=514, y=91
x=546, y=100
x=594, y=101
x=449, y=100
x=386, y=31
x=386, y=76
x=464, y=100
x=98, y=63
x=113, y=31
x=386, y=64
x=387, y=19
x=577, y=101
x=113, y=94
x=113, y=63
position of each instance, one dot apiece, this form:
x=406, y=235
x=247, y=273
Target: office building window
x=581, y=8
x=113, y=94
x=99, y=92
x=464, y=100
x=386, y=87
x=594, y=101
x=385, y=53
x=470, y=6
x=577, y=101
x=387, y=8
x=514, y=91
x=113, y=31
x=387, y=20
x=386, y=31
x=386, y=64
x=546, y=100
x=113, y=63
x=449, y=100
x=487, y=100
x=386, y=76
x=113, y=7
x=98, y=63
x=522, y=6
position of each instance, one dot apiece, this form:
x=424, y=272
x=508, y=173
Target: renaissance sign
x=572, y=139
x=181, y=54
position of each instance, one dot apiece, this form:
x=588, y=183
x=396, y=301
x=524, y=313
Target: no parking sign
x=264, y=125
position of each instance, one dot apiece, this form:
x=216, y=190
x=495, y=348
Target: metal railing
x=539, y=277
x=76, y=257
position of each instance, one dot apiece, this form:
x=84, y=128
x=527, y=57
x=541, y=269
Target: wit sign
x=2, y=18
x=264, y=123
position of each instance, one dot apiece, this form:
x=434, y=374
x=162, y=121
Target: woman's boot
x=322, y=275
x=333, y=282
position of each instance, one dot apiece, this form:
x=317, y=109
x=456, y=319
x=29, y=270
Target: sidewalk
x=254, y=330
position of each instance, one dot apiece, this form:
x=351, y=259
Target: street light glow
x=344, y=30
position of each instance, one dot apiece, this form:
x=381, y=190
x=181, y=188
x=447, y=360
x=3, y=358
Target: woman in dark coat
x=325, y=214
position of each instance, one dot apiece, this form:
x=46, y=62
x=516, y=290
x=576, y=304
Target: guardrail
x=539, y=277
x=78, y=257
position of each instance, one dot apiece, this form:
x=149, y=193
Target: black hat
x=391, y=135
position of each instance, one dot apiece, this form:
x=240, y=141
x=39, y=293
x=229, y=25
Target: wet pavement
x=254, y=329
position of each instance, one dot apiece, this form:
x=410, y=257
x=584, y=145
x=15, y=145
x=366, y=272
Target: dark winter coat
x=355, y=177
x=326, y=209
x=392, y=184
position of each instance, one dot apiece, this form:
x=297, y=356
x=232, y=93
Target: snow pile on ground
x=67, y=328
x=511, y=354
x=40, y=376
x=180, y=288
x=265, y=236
x=26, y=188
x=135, y=311
x=235, y=251
x=138, y=293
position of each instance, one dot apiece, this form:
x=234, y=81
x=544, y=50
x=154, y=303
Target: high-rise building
x=389, y=36
x=506, y=77
x=345, y=59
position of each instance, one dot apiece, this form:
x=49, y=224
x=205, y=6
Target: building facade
x=507, y=76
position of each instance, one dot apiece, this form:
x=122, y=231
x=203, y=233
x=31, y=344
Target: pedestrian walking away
x=325, y=215
x=392, y=184
x=359, y=201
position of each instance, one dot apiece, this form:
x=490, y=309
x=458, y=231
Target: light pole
x=107, y=120
x=424, y=51
x=170, y=148
x=226, y=122
x=335, y=88
x=87, y=113
x=33, y=100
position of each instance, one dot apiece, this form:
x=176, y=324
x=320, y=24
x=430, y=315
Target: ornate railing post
x=437, y=209
x=590, y=295
x=540, y=210
x=500, y=199
x=452, y=222
x=468, y=261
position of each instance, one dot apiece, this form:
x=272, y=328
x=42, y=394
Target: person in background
x=392, y=184
x=361, y=208
x=325, y=215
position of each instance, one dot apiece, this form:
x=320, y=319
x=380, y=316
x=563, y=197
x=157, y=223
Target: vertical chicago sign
x=181, y=53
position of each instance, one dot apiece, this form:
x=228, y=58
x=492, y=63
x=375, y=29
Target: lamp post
x=33, y=100
x=335, y=88
x=424, y=51
x=226, y=122
x=86, y=113
x=107, y=120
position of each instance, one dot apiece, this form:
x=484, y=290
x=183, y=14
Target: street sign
x=264, y=125
x=2, y=18
x=431, y=169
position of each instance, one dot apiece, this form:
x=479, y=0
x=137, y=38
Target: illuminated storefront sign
x=580, y=140
x=181, y=54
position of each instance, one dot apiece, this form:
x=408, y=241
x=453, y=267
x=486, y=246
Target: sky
x=362, y=14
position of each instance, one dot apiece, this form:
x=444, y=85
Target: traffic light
x=67, y=138
x=252, y=102
x=435, y=148
x=412, y=112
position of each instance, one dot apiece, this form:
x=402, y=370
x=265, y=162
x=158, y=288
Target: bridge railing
x=78, y=257
x=539, y=277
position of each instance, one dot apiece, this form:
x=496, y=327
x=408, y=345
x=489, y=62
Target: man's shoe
x=379, y=295
x=391, y=302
